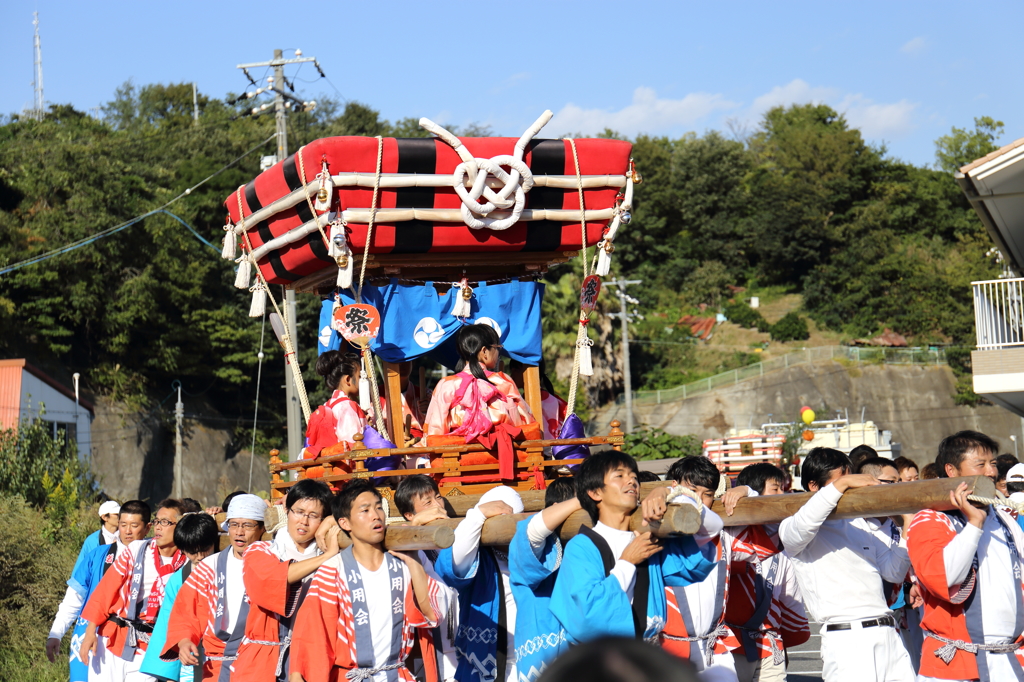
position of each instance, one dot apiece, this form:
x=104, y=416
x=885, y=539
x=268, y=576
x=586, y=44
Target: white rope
x=677, y=491
x=483, y=184
x=256, y=409
x=999, y=502
x=583, y=341
x=401, y=180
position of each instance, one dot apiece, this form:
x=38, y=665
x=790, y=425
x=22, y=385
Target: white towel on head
x=504, y=494
x=251, y=507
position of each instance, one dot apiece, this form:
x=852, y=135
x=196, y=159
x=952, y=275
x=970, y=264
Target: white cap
x=1017, y=497
x=110, y=507
x=504, y=494
x=249, y=507
x=1015, y=474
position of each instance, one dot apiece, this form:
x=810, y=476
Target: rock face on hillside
x=915, y=403
x=133, y=457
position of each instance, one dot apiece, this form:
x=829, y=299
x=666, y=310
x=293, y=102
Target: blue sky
x=903, y=72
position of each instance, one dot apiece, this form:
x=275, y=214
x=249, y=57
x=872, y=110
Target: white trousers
x=106, y=667
x=764, y=670
x=722, y=669
x=875, y=654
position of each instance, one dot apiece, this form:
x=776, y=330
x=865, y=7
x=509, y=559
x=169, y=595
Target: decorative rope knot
x=584, y=321
x=518, y=181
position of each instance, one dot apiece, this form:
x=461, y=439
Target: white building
x=27, y=393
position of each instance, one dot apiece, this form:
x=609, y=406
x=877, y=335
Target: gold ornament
x=467, y=293
x=322, y=195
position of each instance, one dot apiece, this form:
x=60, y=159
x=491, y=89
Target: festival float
x=408, y=240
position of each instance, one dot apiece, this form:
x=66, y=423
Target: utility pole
x=195, y=104
x=37, y=83
x=623, y=315
x=282, y=100
x=179, y=415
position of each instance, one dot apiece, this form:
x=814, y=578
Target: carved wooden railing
x=450, y=470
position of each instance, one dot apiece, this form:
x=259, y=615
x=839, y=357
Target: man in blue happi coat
x=612, y=580
x=534, y=557
x=485, y=640
x=132, y=524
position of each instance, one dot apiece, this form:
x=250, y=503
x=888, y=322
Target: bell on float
x=467, y=293
x=342, y=261
x=322, y=195
x=625, y=217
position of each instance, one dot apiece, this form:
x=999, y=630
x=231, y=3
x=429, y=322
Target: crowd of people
x=168, y=594
x=933, y=596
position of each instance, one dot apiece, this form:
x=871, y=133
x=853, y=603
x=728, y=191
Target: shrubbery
x=745, y=316
x=791, y=327
x=648, y=442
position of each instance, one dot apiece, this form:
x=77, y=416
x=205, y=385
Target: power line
x=117, y=228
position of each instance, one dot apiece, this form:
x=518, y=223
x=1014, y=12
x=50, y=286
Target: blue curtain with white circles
x=417, y=321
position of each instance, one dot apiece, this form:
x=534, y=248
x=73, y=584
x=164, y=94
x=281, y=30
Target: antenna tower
x=39, y=106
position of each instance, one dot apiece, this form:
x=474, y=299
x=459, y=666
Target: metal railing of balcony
x=999, y=313
x=888, y=356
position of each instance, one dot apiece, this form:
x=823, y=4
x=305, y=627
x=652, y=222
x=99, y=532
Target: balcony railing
x=999, y=313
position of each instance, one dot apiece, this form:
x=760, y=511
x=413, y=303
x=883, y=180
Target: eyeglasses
x=312, y=516
x=163, y=523
x=244, y=526
x=885, y=482
x=496, y=346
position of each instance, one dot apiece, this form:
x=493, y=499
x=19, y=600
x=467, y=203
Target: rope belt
x=266, y=642
x=361, y=674
x=950, y=646
x=709, y=650
x=138, y=631
x=778, y=654
x=214, y=657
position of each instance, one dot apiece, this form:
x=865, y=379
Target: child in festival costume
x=366, y=605
x=88, y=572
x=968, y=561
x=212, y=609
x=125, y=605
x=487, y=607
x=765, y=614
x=196, y=536
x=696, y=628
x=480, y=404
x=339, y=419
x=840, y=566
x=612, y=580
x=534, y=557
x=419, y=502
x=277, y=576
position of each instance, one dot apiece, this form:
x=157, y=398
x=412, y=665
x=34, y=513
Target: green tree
x=649, y=442
x=962, y=146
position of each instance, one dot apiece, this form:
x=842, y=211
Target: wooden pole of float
x=877, y=500
x=680, y=519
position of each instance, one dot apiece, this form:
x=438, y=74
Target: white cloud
x=878, y=120
x=914, y=45
x=797, y=91
x=875, y=120
x=647, y=114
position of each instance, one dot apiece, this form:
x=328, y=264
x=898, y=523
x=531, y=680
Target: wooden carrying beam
x=409, y=538
x=878, y=500
x=533, y=500
x=680, y=519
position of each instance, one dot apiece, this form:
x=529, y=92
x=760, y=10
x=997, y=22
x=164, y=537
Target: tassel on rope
x=228, y=251
x=586, y=364
x=462, y=307
x=259, y=301
x=604, y=258
x=323, y=195
x=244, y=271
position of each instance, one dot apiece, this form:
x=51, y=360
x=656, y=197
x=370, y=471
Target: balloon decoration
x=808, y=435
x=807, y=415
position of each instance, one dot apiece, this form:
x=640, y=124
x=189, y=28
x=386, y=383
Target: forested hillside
x=801, y=206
